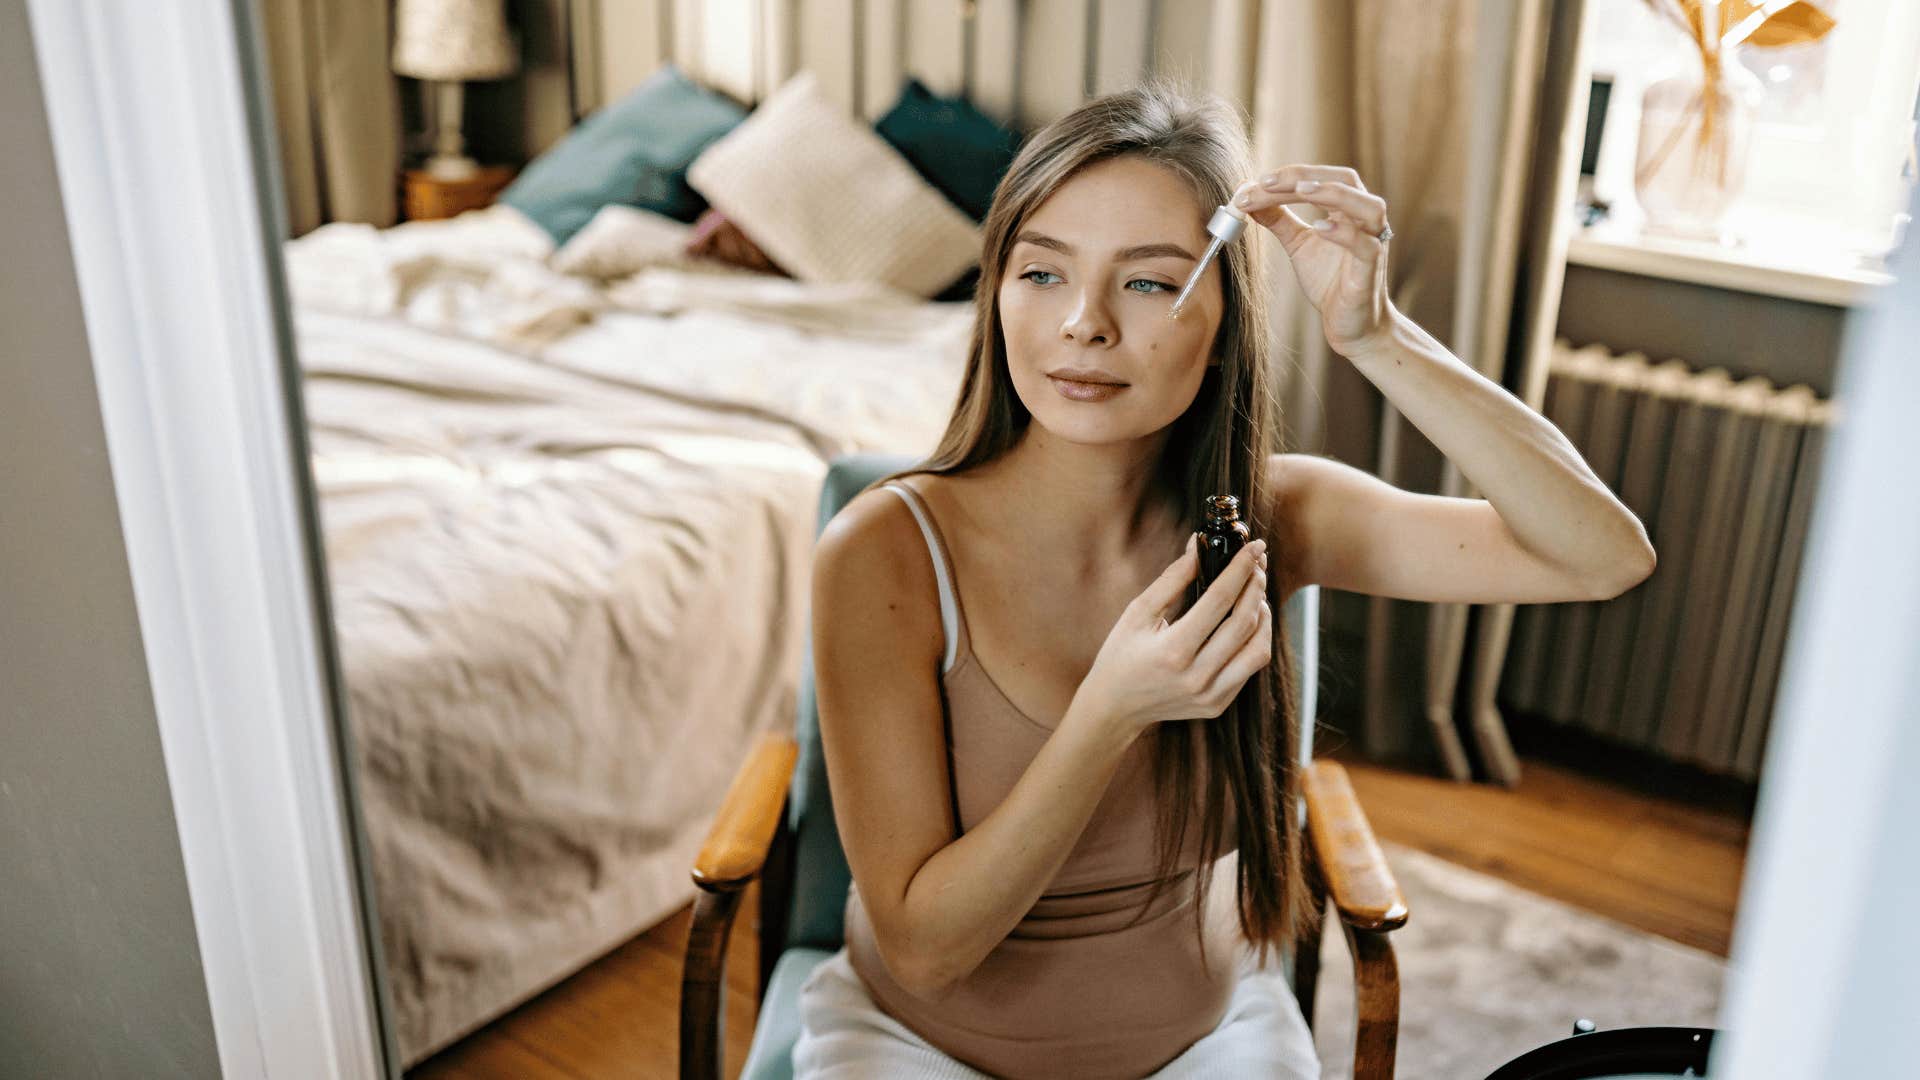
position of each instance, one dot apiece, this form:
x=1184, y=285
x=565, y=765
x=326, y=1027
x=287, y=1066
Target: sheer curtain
x=337, y=109
x=1454, y=112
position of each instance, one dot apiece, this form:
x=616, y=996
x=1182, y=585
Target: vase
x=1696, y=128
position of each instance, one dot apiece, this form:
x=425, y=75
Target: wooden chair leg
x=1376, y=993
x=703, y=984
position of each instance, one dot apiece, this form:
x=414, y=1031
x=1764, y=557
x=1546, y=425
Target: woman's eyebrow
x=1138, y=251
x=1156, y=251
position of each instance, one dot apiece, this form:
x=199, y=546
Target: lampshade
x=453, y=40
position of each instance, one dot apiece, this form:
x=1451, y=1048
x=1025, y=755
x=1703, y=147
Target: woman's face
x=1086, y=290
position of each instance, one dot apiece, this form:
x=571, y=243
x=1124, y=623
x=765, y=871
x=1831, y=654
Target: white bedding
x=568, y=529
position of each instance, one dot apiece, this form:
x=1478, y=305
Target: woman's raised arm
x=1547, y=530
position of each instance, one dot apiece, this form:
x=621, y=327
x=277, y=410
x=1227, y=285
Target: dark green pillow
x=956, y=147
x=634, y=151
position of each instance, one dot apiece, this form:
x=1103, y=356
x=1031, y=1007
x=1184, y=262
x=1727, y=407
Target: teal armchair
x=776, y=823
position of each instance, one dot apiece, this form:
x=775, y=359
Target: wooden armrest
x=1356, y=872
x=743, y=829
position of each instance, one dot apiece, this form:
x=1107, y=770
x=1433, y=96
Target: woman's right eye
x=1028, y=276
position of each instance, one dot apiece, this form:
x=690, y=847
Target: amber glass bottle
x=1222, y=535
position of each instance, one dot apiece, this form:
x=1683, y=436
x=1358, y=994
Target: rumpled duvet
x=568, y=526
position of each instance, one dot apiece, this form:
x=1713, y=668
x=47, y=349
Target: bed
x=568, y=525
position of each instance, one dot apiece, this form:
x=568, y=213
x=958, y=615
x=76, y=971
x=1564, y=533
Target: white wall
x=100, y=968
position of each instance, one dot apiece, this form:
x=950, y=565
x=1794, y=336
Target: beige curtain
x=1438, y=105
x=336, y=106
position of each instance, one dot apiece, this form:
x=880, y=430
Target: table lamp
x=447, y=43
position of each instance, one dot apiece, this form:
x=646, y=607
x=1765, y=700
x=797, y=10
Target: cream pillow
x=826, y=198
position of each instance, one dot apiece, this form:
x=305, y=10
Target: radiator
x=1721, y=473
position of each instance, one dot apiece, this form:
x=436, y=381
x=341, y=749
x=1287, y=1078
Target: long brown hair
x=1218, y=446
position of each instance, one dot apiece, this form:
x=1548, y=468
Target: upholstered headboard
x=1022, y=61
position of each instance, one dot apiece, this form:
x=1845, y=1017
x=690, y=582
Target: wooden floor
x=1651, y=862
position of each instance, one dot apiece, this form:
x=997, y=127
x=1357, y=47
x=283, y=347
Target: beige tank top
x=1069, y=993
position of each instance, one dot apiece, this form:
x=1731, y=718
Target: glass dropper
x=1226, y=226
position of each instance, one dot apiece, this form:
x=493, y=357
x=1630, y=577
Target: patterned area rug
x=1489, y=971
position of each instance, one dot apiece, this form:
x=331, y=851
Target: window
x=1831, y=135
x=1794, y=76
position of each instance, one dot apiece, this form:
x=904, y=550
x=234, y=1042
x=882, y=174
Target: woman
x=1032, y=849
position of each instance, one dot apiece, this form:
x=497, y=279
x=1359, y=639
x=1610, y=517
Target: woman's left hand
x=1341, y=261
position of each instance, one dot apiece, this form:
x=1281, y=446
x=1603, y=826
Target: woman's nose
x=1090, y=323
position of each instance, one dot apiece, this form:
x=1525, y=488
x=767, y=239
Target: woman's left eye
x=1154, y=286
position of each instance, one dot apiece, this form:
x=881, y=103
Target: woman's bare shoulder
x=956, y=500
x=870, y=565
x=874, y=532
x=874, y=596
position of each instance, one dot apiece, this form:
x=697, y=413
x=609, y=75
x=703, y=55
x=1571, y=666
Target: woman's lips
x=1085, y=391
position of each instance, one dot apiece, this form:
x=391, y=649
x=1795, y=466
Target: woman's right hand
x=1150, y=670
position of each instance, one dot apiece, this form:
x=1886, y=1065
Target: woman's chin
x=1087, y=425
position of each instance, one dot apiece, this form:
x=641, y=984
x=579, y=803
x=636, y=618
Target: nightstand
x=424, y=197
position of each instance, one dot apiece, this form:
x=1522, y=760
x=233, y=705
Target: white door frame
x=159, y=118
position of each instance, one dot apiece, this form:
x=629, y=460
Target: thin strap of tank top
x=951, y=622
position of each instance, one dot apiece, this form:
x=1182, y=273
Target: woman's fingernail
x=1269, y=180
x=1323, y=225
x=1305, y=186
x=1243, y=199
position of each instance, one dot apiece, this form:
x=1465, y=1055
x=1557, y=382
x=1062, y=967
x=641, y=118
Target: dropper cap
x=1226, y=225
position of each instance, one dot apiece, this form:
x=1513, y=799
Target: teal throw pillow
x=634, y=152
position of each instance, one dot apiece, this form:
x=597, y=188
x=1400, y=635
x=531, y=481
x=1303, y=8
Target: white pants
x=845, y=1036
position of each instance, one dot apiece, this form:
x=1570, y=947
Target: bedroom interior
x=587, y=313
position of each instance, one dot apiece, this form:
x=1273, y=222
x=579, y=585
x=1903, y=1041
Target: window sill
x=1797, y=260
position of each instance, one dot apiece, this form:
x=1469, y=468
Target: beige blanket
x=568, y=532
